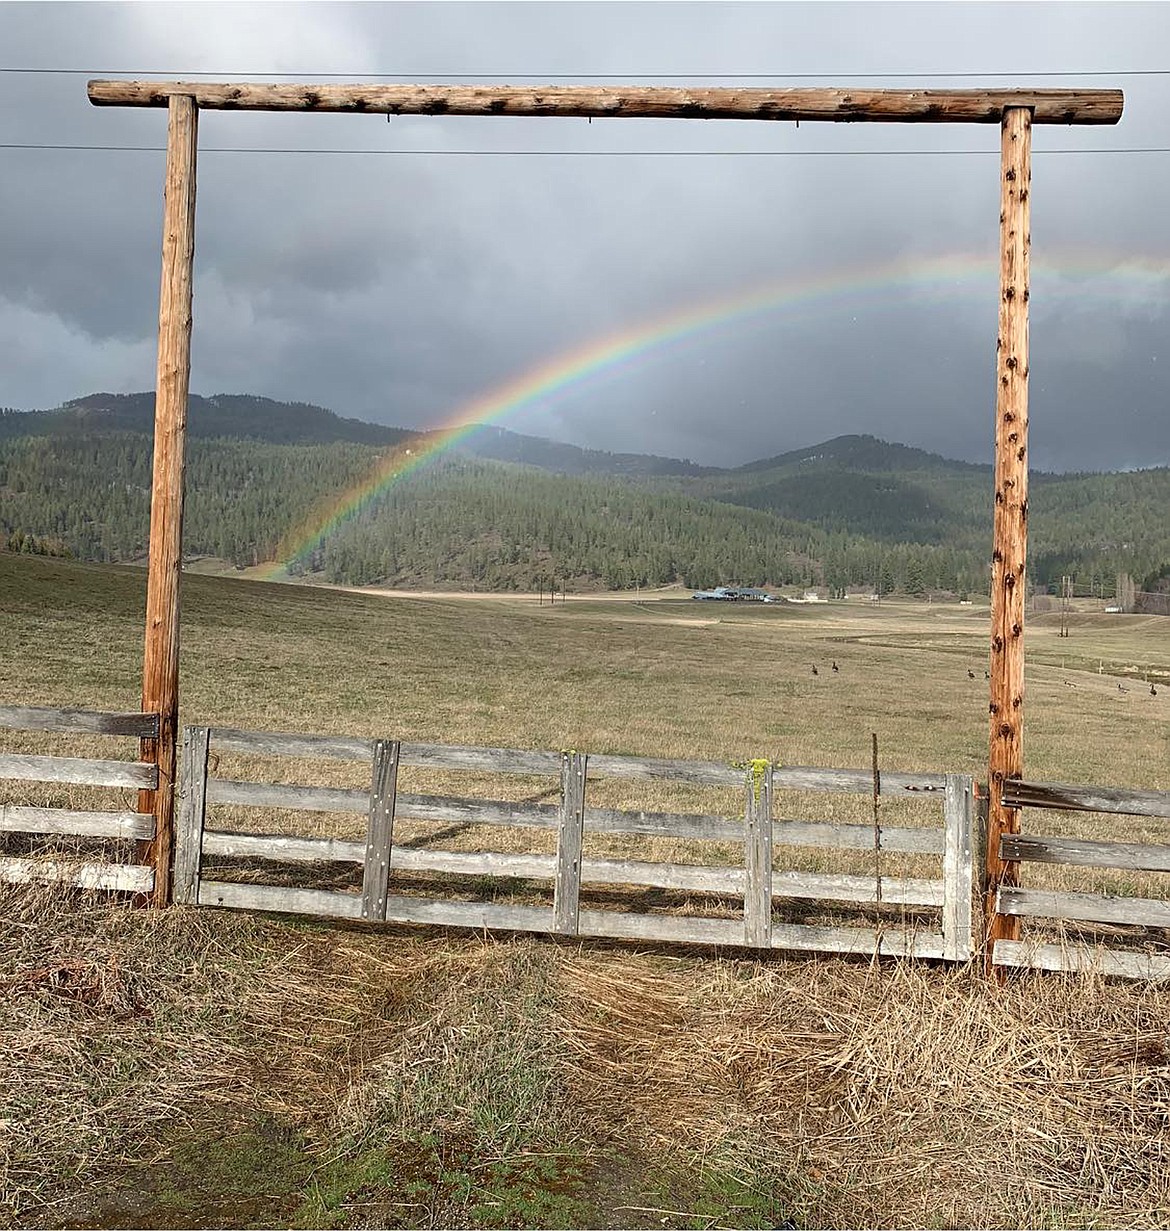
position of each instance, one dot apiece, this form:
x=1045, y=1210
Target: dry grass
x=854, y=1095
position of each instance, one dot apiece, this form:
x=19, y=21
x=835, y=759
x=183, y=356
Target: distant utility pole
x=1066, y=589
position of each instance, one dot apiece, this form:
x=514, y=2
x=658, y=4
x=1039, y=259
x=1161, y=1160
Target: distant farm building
x=734, y=594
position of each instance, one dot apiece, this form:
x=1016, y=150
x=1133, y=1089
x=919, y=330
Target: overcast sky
x=404, y=287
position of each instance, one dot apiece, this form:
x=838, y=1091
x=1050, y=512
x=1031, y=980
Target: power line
x=439, y=153
x=364, y=76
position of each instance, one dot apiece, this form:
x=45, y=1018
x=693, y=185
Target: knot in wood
x=1005, y=730
x=1012, y=362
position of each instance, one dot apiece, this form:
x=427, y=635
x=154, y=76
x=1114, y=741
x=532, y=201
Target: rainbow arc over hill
x=953, y=276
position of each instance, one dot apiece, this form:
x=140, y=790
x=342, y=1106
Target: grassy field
x=198, y=1068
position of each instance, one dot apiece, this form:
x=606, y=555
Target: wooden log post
x=570, y=839
x=160, y=664
x=1010, y=535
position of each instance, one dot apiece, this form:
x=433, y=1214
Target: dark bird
x=815, y=671
x=970, y=675
x=1153, y=691
x=835, y=667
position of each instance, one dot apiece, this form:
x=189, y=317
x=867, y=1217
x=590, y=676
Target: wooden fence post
x=1010, y=543
x=160, y=660
x=570, y=839
x=190, y=816
x=380, y=830
x=958, y=868
x=757, y=857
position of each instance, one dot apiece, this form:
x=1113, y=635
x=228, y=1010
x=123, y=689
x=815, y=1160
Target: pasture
x=301, y=1074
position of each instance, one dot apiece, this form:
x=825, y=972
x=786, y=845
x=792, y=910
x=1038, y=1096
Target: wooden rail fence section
x=1017, y=902
x=72, y=822
x=757, y=832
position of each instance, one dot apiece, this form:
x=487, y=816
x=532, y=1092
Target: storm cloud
x=404, y=284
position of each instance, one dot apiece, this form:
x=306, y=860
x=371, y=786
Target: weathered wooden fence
x=1065, y=905
x=87, y=823
x=753, y=886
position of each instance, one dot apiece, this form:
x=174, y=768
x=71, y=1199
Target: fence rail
x=119, y=824
x=756, y=884
x=1068, y=906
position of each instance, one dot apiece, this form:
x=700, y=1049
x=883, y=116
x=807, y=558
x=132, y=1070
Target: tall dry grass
x=854, y=1094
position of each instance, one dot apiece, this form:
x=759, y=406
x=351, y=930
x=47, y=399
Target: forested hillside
x=262, y=475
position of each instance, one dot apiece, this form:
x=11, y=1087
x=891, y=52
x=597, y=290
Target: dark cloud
x=404, y=288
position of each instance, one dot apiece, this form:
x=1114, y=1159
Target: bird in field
x=970, y=674
x=1122, y=688
x=815, y=671
x=836, y=669
x=1153, y=691
x=1069, y=684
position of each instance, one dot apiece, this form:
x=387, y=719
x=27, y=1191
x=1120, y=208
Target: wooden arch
x=1015, y=111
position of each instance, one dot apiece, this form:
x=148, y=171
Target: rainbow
x=619, y=353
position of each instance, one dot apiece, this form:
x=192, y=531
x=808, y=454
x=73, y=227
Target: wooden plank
x=700, y=773
x=280, y=898
x=78, y=771
x=291, y=744
x=895, y=942
x=1083, y=959
x=282, y=848
x=570, y=836
x=1010, y=530
x=1122, y=802
x=160, y=660
x=1094, y=907
x=854, y=782
x=959, y=868
x=1080, y=852
x=490, y=760
x=111, y=877
x=191, y=815
x=849, y=104
x=345, y=748
x=287, y=795
x=478, y=915
x=380, y=830
x=842, y=887
x=859, y=837
x=679, y=929
x=445, y=810
x=16, y=818
x=757, y=856
x=93, y=722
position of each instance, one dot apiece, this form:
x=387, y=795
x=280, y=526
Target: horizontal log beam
x=16, y=818
x=1081, y=852
x=111, y=877
x=79, y=771
x=1083, y=959
x=1066, y=797
x=849, y=105
x=42, y=718
x=1088, y=907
